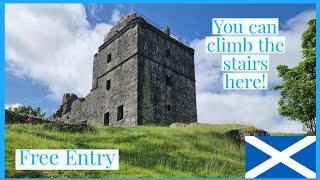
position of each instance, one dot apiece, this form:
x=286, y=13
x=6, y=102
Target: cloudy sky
x=49, y=50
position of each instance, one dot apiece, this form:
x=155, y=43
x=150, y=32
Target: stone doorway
x=106, y=119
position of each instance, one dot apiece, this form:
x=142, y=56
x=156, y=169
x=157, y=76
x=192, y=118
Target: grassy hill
x=145, y=151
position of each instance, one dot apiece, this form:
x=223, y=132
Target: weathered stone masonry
x=141, y=75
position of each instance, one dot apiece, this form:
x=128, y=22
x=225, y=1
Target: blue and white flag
x=280, y=157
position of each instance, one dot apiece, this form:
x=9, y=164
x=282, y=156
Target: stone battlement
x=121, y=24
x=134, y=18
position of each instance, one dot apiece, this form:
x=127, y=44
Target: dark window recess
x=169, y=81
x=168, y=53
x=120, y=113
x=169, y=107
x=109, y=58
x=106, y=119
x=108, y=84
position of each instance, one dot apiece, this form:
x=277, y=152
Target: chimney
x=167, y=30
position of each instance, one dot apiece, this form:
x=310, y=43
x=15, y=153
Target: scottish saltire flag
x=280, y=157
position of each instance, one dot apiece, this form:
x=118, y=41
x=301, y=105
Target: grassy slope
x=145, y=151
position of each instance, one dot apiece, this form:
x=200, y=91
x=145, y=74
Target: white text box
x=245, y=44
x=245, y=26
x=245, y=81
x=245, y=63
x=67, y=159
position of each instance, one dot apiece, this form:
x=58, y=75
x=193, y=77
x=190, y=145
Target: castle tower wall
x=115, y=62
x=121, y=71
x=166, y=80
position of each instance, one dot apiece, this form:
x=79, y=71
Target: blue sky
x=191, y=22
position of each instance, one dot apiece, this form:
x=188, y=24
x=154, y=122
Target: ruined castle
x=141, y=75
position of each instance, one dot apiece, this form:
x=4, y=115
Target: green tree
x=28, y=110
x=298, y=91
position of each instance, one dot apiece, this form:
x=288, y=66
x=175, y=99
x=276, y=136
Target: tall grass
x=145, y=151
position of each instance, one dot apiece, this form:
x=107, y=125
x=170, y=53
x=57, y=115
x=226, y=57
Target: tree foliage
x=28, y=110
x=298, y=91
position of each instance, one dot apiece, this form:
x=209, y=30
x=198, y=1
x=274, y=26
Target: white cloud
x=8, y=106
x=207, y=68
x=53, y=45
x=294, y=28
x=94, y=9
x=256, y=108
x=116, y=16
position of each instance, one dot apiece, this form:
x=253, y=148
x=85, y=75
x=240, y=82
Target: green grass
x=145, y=151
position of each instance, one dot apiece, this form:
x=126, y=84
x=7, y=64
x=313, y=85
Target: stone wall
x=166, y=79
x=122, y=48
x=122, y=73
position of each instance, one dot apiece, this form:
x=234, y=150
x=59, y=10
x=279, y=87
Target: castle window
x=169, y=81
x=108, y=84
x=169, y=107
x=120, y=113
x=168, y=53
x=106, y=119
x=109, y=58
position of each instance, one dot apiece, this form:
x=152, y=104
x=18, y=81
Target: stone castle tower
x=141, y=75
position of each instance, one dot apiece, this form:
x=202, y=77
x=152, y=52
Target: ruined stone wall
x=160, y=102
